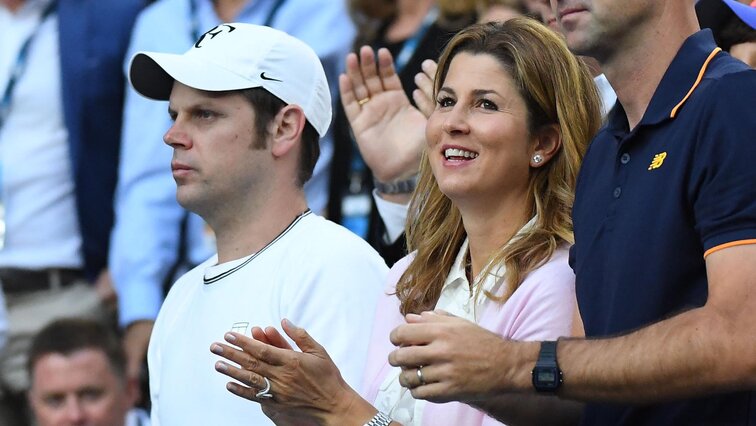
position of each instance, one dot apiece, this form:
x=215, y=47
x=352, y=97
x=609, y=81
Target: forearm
x=691, y=354
x=523, y=409
x=524, y=406
x=356, y=411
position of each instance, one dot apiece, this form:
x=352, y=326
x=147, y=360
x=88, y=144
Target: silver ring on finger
x=420, y=375
x=265, y=393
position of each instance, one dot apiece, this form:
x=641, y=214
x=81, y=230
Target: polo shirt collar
x=681, y=76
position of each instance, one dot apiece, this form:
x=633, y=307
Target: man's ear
x=289, y=123
x=547, y=141
x=133, y=391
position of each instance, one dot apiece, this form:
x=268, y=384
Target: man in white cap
x=248, y=104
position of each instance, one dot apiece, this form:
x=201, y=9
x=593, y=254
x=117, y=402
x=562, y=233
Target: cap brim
x=745, y=12
x=152, y=75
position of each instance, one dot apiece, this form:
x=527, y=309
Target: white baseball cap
x=237, y=56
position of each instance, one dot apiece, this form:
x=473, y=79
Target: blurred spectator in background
x=499, y=10
x=78, y=377
x=61, y=94
x=155, y=240
x=733, y=25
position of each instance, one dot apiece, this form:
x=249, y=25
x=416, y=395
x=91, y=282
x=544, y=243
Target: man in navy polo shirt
x=665, y=231
x=665, y=223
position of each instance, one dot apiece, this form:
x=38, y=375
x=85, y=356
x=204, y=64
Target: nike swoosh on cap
x=262, y=75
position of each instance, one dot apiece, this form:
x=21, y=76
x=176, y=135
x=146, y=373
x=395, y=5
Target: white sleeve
x=394, y=216
x=154, y=367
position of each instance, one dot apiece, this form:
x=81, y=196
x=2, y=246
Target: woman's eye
x=445, y=102
x=486, y=104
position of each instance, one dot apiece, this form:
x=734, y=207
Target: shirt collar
x=458, y=272
x=680, y=79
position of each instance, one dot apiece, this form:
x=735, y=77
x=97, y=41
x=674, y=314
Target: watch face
x=546, y=378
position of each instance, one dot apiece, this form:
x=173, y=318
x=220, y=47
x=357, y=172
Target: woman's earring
x=538, y=158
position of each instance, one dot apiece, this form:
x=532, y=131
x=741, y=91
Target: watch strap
x=547, y=366
x=547, y=355
x=396, y=187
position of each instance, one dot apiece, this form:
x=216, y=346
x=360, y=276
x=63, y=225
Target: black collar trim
x=222, y=275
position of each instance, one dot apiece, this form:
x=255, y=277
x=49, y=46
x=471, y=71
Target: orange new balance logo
x=657, y=161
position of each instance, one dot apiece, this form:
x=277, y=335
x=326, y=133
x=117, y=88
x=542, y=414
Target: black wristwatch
x=547, y=377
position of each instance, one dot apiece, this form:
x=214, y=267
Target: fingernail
x=216, y=349
x=221, y=366
x=230, y=337
x=289, y=323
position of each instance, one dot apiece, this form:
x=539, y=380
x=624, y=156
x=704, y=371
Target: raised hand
x=389, y=131
x=423, y=95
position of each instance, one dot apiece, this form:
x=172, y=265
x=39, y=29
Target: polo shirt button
x=625, y=158
x=617, y=192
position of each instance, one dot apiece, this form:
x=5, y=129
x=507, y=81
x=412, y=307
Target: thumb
x=302, y=338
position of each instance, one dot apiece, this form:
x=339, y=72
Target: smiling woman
x=489, y=229
x=509, y=96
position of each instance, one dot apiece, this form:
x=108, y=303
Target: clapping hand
x=305, y=387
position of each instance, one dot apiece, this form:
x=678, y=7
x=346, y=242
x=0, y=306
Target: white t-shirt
x=317, y=274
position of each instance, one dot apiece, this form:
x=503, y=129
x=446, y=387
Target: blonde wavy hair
x=557, y=89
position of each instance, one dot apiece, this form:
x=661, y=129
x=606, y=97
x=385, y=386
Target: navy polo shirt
x=653, y=201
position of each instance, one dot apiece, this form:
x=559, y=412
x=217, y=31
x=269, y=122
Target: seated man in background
x=733, y=25
x=78, y=376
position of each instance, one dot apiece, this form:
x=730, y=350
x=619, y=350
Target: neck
x=228, y=9
x=12, y=5
x=245, y=229
x=490, y=226
x=636, y=70
x=593, y=65
x=409, y=18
